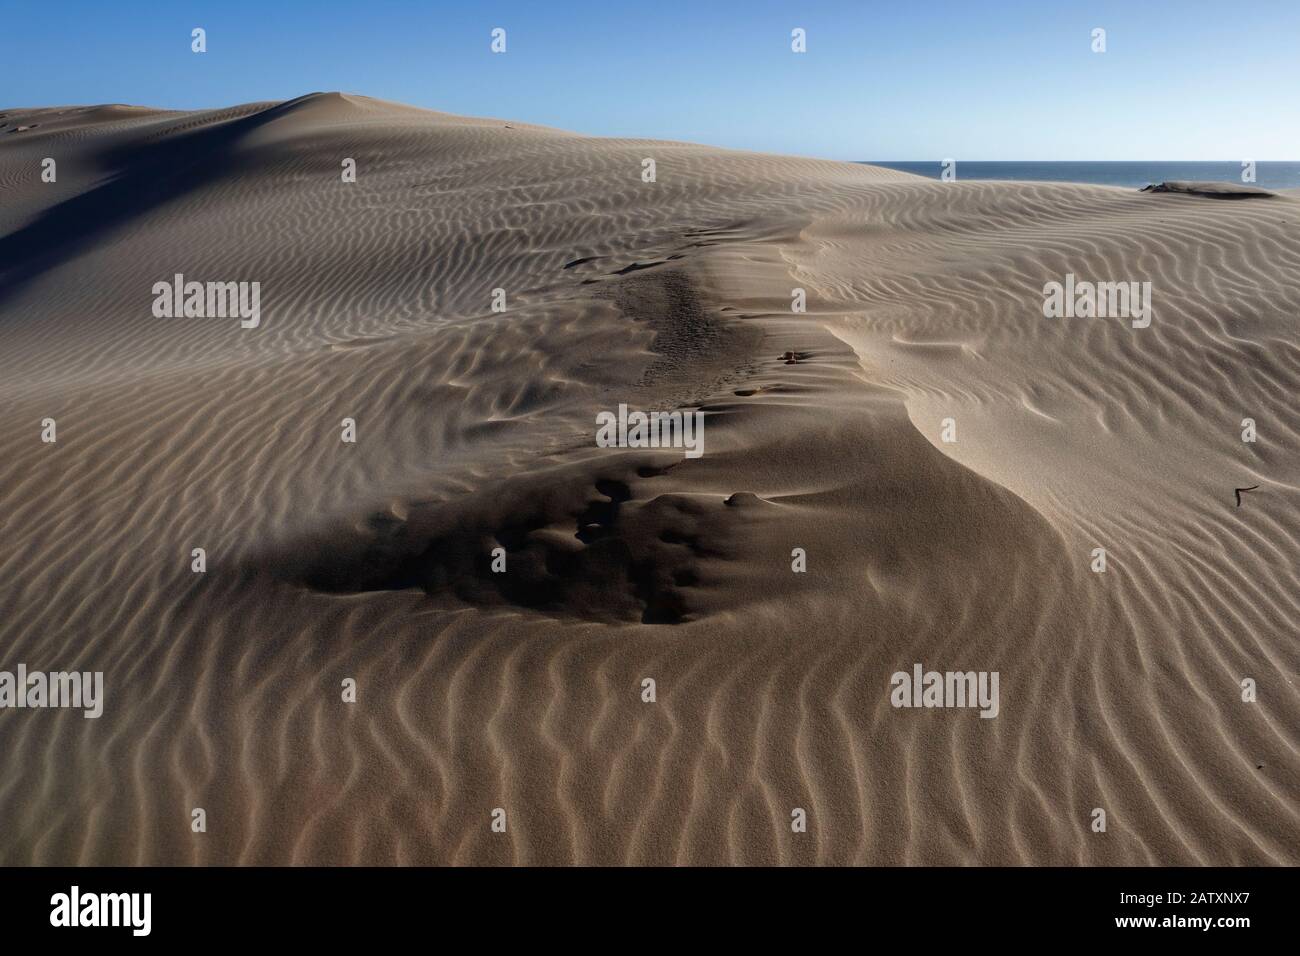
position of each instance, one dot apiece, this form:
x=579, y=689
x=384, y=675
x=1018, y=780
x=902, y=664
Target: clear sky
x=881, y=79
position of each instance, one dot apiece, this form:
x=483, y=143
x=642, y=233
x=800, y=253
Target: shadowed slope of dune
x=523, y=690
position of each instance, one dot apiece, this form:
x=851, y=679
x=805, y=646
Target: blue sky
x=882, y=79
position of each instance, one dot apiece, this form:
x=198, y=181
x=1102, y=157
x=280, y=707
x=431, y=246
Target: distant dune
x=1209, y=190
x=523, y=691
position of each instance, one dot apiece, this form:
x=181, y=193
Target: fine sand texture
x=475, y=411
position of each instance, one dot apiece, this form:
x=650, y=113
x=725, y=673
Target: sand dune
x=476, y=690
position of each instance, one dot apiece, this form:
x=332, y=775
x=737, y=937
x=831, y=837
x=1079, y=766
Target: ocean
x=1268, y=175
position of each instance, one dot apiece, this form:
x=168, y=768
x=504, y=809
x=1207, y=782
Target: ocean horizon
x=1133, y=174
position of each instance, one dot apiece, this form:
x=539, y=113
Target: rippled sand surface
x=523, y=691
